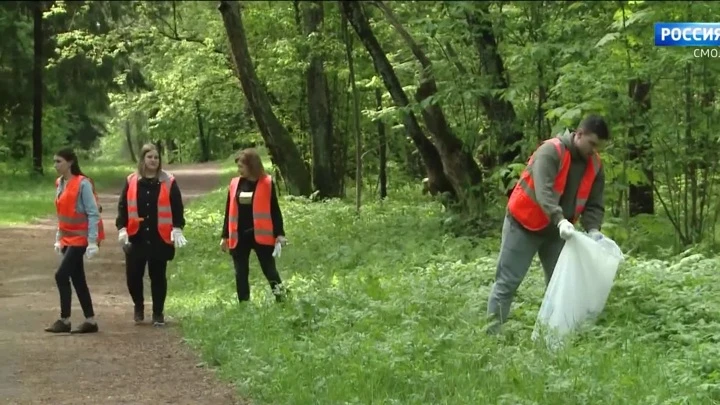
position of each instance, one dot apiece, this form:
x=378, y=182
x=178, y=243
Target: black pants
x=72, y=267
x=241, y=261
x=135, y=271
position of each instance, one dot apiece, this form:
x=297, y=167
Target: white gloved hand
x=595, y=235
x=566, y=229
x=177, y=237
x=123, y=236
x=278, y=249
x=58, y=248
x=92, y=250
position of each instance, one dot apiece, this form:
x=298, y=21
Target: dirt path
x=124, y=363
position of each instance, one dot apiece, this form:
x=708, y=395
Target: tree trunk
x=428, y=152
x=382, y=152
x=324, y=177
x=202, y=138
x=640, y=195
x=501, y=113
x=340, y=141
x=38, y=66
x=460, y=167
x=173, y=152
x=301, y=111
x=356, y=115
x=277, y=139
x=128, y=139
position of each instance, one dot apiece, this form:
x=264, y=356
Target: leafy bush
x=387, y=309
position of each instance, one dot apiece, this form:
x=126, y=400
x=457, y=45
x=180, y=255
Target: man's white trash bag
x=579, y=287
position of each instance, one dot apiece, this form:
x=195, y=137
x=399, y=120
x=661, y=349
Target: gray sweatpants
x=517, y=250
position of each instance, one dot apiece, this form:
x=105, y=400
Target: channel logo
x=687, y=34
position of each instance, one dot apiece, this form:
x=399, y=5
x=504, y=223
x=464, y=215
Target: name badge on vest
x=245, y=197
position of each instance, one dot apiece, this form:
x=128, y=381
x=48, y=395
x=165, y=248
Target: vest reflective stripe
x=72, y=226
x=262, y=218
x=523, y=204
x=165, y=223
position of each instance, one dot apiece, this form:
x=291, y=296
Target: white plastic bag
x=579, y=287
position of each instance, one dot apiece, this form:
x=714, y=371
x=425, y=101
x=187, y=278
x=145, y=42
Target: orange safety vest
x=72, y=225
x=262, y=219
x=165, y=220
x=523, y=205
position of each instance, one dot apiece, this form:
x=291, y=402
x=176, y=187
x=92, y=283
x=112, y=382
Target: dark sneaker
x=86, y=327
x=59, y=327
x=139, y=315
x=158, y=320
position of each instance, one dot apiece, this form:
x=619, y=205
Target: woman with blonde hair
x=150, y=222
x=253, y=221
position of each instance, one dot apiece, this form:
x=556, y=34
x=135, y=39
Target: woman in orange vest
x=150, y=221
x=79, y=233
x=253, y=221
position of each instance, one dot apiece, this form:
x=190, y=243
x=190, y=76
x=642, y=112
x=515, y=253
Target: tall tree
x=38, y=67
x=460, y=167
x=430, y=156
x=327, y=183
x=277, y=139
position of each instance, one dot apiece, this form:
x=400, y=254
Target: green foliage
x=387, y=308
x=156, y=71
x=27, y=197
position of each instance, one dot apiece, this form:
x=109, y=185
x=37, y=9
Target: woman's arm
x=87, y=198
x=176, y=204
x=122, y=216
x=225, y=230
x=276, y=213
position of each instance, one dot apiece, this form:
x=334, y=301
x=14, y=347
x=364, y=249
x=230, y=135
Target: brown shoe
x=59, y=327
x=86, y=327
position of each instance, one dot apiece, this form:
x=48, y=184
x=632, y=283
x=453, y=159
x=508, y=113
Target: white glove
x=567, y=230
x=91, y=250
x=58, y=248
x=123, y=236
x=177, y=237
x=278, y=249
x=595, y=235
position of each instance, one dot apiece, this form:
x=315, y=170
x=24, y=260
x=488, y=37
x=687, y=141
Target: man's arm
x=594, y=214
x=91, y=209
x=545, y=167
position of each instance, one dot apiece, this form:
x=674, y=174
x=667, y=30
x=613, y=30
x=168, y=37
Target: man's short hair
x=595, y=124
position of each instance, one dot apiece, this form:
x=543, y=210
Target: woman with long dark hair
x=150, y=222
x=79, y=233
x=253, y=221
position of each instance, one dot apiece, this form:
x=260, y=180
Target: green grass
x=386, y=309
x=26, y=196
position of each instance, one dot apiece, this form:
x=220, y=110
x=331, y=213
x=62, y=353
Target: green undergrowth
x=26, y=196
x=387, y=309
